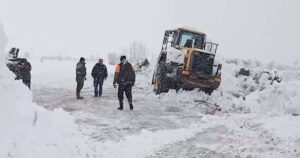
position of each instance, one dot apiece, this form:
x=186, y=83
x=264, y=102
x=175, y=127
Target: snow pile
x=258, y=92
x=255, y=93
x=260, y=113
x=28, y=130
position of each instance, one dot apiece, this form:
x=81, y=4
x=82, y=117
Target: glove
x=85, y=78
x=104, y=78
x=115, y=86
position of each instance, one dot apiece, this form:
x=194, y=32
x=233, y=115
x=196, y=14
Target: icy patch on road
x=147, y=143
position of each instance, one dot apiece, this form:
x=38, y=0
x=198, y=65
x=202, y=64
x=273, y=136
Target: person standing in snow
x=24, y=69
x=125, y=78
x=80, y=76
x=99, y=73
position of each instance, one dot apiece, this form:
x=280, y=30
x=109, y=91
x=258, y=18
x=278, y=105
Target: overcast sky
x=262, y=29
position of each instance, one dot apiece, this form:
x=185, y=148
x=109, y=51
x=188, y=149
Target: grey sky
x=262, y=29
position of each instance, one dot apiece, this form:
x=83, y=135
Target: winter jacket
x=25, y=71
x=99, y=71
x=80, y=71
x=124, y=74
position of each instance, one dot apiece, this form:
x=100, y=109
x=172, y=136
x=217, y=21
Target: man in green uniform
x=80, y=76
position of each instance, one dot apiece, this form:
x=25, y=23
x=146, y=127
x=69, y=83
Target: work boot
x=121, y=105
x=96, y=94
x=78, y=96
x=100, y=93
x=130, y=104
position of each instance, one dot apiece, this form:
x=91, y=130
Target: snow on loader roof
x=193, y=30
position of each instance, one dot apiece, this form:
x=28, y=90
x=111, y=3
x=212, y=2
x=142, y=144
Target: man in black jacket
x=125, y=78
x=99, y=74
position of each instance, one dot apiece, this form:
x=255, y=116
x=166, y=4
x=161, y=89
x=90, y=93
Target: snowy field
x=243, y=118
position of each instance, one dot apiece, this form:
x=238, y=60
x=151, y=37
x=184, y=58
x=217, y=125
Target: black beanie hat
x=122, y=57
x=82, y=59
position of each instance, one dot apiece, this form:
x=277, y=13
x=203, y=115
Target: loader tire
x=179, y=79
x=161, y=83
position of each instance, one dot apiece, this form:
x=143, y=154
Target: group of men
x=124, y=77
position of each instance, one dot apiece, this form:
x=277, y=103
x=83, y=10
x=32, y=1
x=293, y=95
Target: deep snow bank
x=249, y=103
x=31, y=131
x=256, y=92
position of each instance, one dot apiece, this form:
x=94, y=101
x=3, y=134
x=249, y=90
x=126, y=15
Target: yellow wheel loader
x=186, y=61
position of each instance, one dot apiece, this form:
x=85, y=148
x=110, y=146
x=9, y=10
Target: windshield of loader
x=191, y=40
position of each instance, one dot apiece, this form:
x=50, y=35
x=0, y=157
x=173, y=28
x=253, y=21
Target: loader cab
x=189, y=39
x=186, y=39
x=183, y=38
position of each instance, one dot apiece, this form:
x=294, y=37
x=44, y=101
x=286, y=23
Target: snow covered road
x=170, y=125
x=100, y=119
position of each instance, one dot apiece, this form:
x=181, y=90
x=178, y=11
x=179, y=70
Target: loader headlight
x=217, y=79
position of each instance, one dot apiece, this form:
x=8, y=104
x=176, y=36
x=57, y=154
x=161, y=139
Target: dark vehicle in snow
x=14, y=61
x=142, y=64
x=186, y=61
